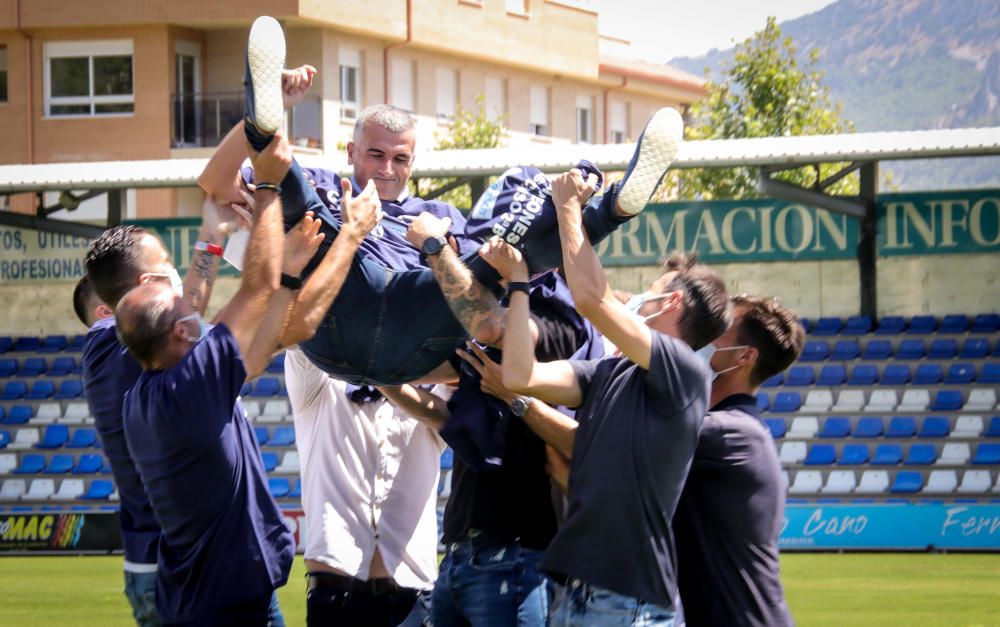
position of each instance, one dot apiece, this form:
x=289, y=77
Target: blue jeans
x=140, y=588
x=590, y=606
x=275, y=617
x=490, y=585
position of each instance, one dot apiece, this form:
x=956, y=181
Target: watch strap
x=291, y=282
x=518, y=286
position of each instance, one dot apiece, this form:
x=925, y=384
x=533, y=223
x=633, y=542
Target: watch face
x=432, y=245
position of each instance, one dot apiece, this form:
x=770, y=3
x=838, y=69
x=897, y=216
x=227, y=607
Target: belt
x=343, y=583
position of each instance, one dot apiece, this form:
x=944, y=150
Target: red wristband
x=208, y=248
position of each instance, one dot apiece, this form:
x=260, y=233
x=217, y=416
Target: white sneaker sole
x=266, y=56
x=657, y=150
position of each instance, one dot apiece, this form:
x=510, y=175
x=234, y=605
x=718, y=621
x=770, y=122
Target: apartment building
x=154, y=79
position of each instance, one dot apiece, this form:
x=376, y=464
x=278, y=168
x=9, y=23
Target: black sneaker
x=265, y=61
x=654, y=152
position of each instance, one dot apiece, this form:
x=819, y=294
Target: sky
x=661, y=30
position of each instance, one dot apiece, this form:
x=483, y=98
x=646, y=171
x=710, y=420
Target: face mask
x=203, y=327
x=635, y=303
x=174, y=277
x=706, y=352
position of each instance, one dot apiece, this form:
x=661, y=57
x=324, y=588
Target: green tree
x=765, y=92
x=467, y=130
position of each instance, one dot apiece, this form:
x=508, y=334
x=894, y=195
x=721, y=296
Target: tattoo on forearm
x=473, y=305
x=205, y=267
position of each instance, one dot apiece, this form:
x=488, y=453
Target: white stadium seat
x=914, y=401
x=25, y=439
x=941, y=482
x=40, y=490
x=252, y=409
x=806, y=482
x=47, y=413
x=817, y=401
x=968, y=427
x=873, y=482
x=840, y=482
x=289, y=464
x=792, y=453
x=849, y=401
x=981, y=399
x=8, y=462
x=275, y=408
x=803, y=428
x=12, y=489
x=76, y=413
x=882, y=401
x=954, y=454
x=975, y=482
x=69, y=490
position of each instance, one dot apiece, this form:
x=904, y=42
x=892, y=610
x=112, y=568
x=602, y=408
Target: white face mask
x=706, y=352
x=203, y=327
x=176, y=284
x=636, y=302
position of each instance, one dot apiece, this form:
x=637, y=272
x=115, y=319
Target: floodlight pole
x=868, y=242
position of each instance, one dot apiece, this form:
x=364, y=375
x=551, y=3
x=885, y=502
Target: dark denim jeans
x=488, y=584
x=140, y=588
x=589, y=606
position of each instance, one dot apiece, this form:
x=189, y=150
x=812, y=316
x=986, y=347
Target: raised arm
x=217, y=223
x=473, y=305
x=585, y=275
x=427, y=407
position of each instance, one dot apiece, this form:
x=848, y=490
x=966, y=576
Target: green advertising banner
x=729, y=231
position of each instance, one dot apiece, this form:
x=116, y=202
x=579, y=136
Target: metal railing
x=201, y=120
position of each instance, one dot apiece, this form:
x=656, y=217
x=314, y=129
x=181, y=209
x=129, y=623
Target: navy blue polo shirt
x=637, y=433
x=108, y=372
x=223, y=539
x=728, y=522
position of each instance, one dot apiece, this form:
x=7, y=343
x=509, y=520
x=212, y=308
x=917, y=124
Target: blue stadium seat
x=947, y=400
x=4, y=438
x=836, y=427
x=26, y=345
x=279, y=486
x=70, y=388
x=986, y=323
x=922, y=325
x=786, y=402
x=821, y=455
x=6, y=343
x=31, y=464
x=99, y=490
x=854, y=455
x=845, y=350
x=887, y=455
x=869, y=427
x=53, y=344
x=815, y=350
x=935, y=427
x=921, y=455
x=40, y=390
x=60, y=464
x=975, y=348
x=8, y=367
x=827, y=326
x=283, y=436
x=84, y=437
x=863, y=374
x=447, y=459
x=246, y=389
x=901, y=427
x=807, y=324
x=895, y=374
x=987, y=454
x=270, y=460
x=891, y=325
x=954, y=323
x=907, y=482
x=877, y=350
x=55, y=437
x=960, y=373
x=277, y=364
x=266, y=386
x=62, y=367
x=261, y=435
x=911, y=348
x=76, y=344
x=763, y=403
x=778, y=428
x=32, y=367
x=296, y=492
x=943, y=348
x=105, y=466
x=857, y=325
x=13, y=390
x=800, y=375
x=88, y=465
x=990, y=373
x=773, y=381
x=19, y=414
x=832, y=374
x=928, y=374
x=993, y=430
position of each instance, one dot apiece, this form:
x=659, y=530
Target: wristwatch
x=291, y=282
x=433, y=245
x=519, y=406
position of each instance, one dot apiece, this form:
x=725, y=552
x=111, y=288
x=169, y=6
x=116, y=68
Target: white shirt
x=369, y=479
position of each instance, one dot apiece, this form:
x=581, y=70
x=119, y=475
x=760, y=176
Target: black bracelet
x=518, y=286
x=271, y=186
x=291, y=282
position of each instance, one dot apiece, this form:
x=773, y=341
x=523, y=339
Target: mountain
x=905, y=65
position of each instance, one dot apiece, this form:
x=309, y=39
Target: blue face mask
x=706, y=352
x=635, y=303
x=203, y=327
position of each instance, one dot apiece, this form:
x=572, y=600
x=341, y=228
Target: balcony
x=201, y=120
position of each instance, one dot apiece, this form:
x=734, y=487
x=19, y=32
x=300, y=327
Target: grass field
x=823, y=589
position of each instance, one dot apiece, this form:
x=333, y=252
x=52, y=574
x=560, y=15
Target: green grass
x=913, y=590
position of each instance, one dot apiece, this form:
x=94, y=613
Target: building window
x=3, y=74
x=584, y=119
x=350, y=83
x=89, y=78
x=539, y=123
x=447, y=93
x=495, y=96
x=402, y=95
x=619, y=123
x=520, y=7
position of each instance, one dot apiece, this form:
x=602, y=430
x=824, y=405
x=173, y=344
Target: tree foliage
x=765, y=92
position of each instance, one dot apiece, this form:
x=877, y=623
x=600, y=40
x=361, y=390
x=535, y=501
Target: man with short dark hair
x=731, y=511
x=89, y=308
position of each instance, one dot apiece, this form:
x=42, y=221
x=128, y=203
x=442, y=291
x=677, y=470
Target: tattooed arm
x=473, y=305
x=217, y=223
